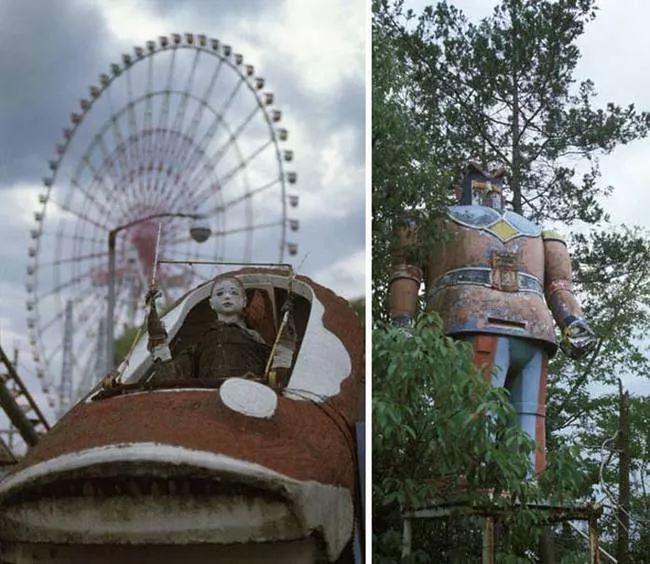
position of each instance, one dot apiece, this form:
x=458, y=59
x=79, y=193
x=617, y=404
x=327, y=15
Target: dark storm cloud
x=52, y=52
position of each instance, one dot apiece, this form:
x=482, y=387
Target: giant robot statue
x=493, y=278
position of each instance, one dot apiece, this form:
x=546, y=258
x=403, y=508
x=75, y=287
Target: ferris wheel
x=180, y=128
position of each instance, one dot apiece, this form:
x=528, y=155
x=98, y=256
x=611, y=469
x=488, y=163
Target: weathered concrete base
x=151, y=494
x=296, y=552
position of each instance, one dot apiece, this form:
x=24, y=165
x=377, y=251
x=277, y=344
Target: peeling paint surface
x=309, y=506
x=249, y=398
x=292, y=472
x=323, y=361
x=499, y=306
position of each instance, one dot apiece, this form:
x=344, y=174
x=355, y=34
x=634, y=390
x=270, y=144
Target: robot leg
x=528, y=396
x=491, y=353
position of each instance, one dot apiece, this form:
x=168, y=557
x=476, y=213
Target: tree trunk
x=515, y=173
x=547, y=546
x=623, y=444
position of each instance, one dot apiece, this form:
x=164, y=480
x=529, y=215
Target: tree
x=505, y=93
x=439, y=429
x=405, y=173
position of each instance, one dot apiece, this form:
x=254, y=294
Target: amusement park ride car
x=208, y=468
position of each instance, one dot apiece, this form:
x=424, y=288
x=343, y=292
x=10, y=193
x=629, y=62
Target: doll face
x=228, y=297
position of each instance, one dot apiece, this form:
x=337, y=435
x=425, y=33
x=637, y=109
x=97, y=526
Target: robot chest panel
x=504, y=226
x=468, y=246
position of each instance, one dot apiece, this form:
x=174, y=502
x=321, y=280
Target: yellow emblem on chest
x=503, y=230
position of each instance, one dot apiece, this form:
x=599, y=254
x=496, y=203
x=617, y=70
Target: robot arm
x=577, y=338
x=406, y=274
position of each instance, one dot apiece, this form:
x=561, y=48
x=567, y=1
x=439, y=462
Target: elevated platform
x=498, y=507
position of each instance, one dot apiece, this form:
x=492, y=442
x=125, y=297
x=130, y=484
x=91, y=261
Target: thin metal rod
x=584, y=535
x=110, y=309
x=227, y=263
x=13, y=410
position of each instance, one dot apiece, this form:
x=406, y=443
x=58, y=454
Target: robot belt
x=499, y=279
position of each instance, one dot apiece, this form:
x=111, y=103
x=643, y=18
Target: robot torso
x=487, y=275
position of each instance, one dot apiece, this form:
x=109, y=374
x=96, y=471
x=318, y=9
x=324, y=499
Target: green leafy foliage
x=440, y=430
x=504, y=92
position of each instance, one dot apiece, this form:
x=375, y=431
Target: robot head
x=480, y=188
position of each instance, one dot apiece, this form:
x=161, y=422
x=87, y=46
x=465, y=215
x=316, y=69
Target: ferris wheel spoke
x=74, y=184
x=188, y=159
x=113, y=121
x=223, y=150
x=79, y=215
x=72, y=237
x=98, y=180
x=77, y=258
x=78, y=279
x=230, y=142
x=203, y=102
x=241, y=166
x=110, y=162
x=132, y=118
x=228, y=176
x=218, y=119
x=246, y=196
x=164, y=113
x=108, y=165
x=82, y=318
x=182, y=107
x=231, y=98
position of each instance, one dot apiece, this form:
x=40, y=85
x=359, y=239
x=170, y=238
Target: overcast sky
x=310, y=53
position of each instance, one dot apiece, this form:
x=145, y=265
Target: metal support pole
x=110, y=306
x=11, y=407
x=488, y=541
x=593, y=539
x=407, y=537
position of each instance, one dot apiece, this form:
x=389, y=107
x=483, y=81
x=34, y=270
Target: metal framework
x=492, y=512
x=180, y=126
x=65, y=384
x=18, y=404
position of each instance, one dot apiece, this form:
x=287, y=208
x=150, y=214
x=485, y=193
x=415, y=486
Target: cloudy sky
x=312, y=55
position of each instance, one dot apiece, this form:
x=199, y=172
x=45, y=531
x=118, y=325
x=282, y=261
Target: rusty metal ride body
x=497, y=280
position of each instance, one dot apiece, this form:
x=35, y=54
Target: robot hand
x=577, y=339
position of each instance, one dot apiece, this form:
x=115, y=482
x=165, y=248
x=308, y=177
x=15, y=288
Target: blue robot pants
x=520, y=366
